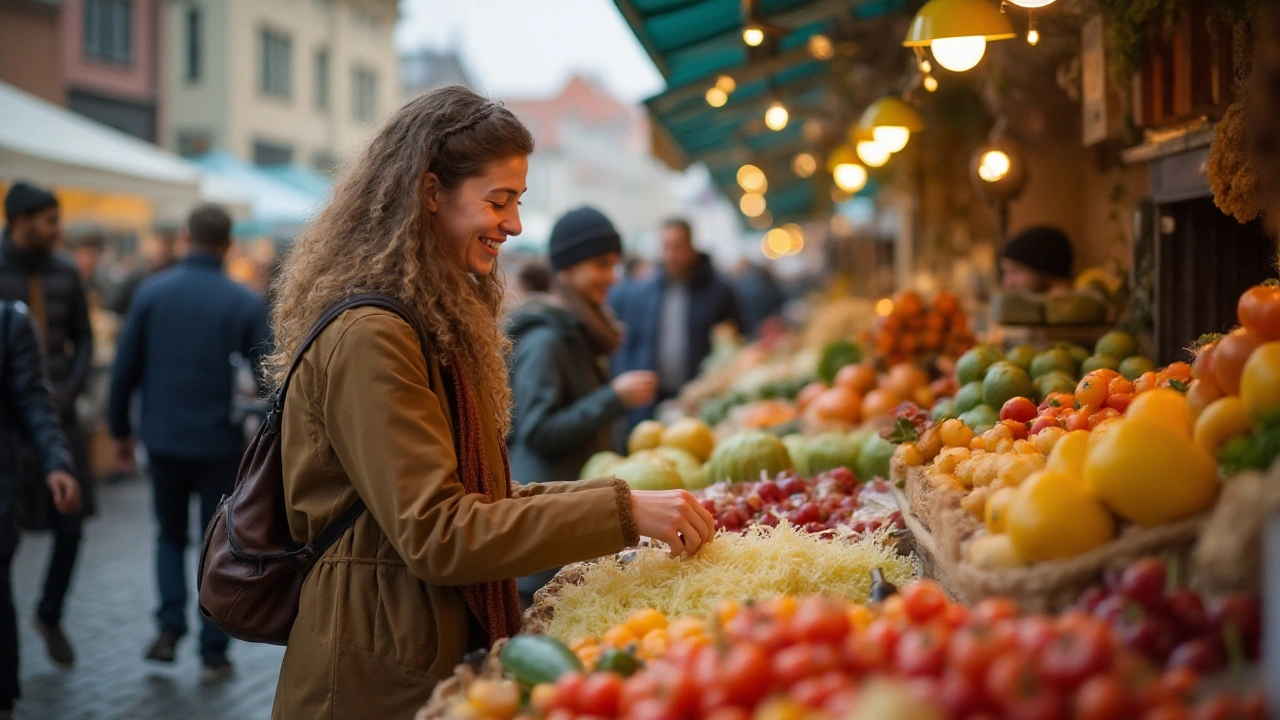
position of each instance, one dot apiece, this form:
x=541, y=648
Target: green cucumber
x=618, y=661
x=534, y=659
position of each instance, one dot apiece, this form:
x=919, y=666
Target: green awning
x=692, y=42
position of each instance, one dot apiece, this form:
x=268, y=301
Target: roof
x=692, y=42
x=427, y=69
x=54, y=146
x=581, y=101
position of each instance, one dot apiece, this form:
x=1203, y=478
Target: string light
x=994, y=166
x=717, y=97
x=872, y=153
x=752, y=204
x=820, y=47
x=752, y=179
x=959, y=54
x=753, y=36
x=931, y=83
x=776, y=116
x=804, y=165
x=850, y=177
x=726, y=83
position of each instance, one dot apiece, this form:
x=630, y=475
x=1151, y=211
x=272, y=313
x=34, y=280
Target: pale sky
x=528, y=48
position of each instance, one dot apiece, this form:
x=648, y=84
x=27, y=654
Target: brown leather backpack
x=251, y=571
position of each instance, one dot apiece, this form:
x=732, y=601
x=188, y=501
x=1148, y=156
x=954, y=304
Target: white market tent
x=51, y=145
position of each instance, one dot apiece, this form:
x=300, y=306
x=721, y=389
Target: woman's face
x=478, y=216
x=593, y=277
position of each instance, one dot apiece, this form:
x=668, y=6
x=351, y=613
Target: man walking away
x=669, y=316
x=26, y=407
x=183, y=328
x=49, y=285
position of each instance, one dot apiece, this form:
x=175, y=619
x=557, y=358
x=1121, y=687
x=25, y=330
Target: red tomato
x=1259, y=310
x=1241, y=612
x=922, y=651
x=637, y=688
x=1042, y=422
x=1168, y=711
x=1230, y=356
x=962, y=695
x=923, y=599
x=1120, y=401
x=1101, y=698
x=745, y=674
x=955, y=615
x=1075, y=654
x=1203, y=365
x=872, y=649
x=1254, y=706
x=1019, y=408
x=820, y=621
x=813, y=692
x=1013, y=685
x=994, y=609
x=1143, y=582
x=795, y=663
x=1199, y=655
x=1187, y=612
x=1140, y=680
x=973, y=648
x=712, y=700
x=729, y=713
x=600, y=695
x=652, y=709
x=1079, y=420
x=568, y=689
x=1033, y=633
x=1017, y=429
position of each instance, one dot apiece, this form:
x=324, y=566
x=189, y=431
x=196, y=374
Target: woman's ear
x=431, y=191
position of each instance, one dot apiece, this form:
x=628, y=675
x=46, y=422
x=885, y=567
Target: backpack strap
x=338, y=526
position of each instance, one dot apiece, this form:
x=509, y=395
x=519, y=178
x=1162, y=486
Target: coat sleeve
x=30, y=396
x=126, y=371
x=392, y=435
x=547, y=426
x=566, y=486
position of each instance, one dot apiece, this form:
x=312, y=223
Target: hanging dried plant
x=1233, y=168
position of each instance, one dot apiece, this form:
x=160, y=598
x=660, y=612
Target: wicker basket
x=455, y=687
x=1043, y=587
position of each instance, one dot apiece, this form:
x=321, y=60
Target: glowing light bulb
x=926, y=67
x=959, y=54
x=717, y=97
x=820, y=47
x=752, y=179
x=1031, y=3
x=753, y=36
x=797, y=238
x=762, y=221
x=752, y=204
x=1033, y=36
x=891, y=138
x=872, y=153
x=776, y=116
x=804, y=165
x=931, y=83
x=994, y=166
x=779, y=241
x=884, y=307
x=850, y=177
x=726, y=83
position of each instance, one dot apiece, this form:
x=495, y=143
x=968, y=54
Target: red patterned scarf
x=497, y=603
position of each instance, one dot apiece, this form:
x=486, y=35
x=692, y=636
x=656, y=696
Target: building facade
x=288, y=81
x=111, y=58
x=30, y=58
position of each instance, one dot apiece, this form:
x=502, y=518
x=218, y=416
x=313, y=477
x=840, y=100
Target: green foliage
x=1130, y=24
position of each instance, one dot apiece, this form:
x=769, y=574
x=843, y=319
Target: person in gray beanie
x=565, y=405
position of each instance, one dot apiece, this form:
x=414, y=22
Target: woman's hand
x=65, y=490
x=674, y=517
x=636, y=388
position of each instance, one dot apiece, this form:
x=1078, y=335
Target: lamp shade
x=891, y=112
x=943, y=19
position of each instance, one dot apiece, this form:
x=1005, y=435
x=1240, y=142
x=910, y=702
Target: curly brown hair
x=376, y=235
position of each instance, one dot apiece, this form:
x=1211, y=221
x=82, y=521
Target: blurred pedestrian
x=565, y=405
x=50, y=286
x=26, y=408
x=1037, y=260
x=669, y=316
x=159, y=252
x=758, y=294
x=183, y=329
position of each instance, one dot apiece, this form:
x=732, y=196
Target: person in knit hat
x=1037, y=260
x=565, y=404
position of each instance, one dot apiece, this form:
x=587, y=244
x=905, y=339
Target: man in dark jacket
x=50, y=286
x=26, y=408
x=184, y=328
x=669, y=317
x=565, y=405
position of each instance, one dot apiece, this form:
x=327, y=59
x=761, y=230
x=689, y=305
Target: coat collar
x=202, y=259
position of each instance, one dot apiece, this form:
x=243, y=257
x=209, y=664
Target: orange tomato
x=1259, y=310
x=839, y=404
x=931, y=339
x=908, y=344
x=1092, y=390
x=904, y=378
x=1146, y=381
x=880, y=402
x=908, y=302
x=1203, y=365
x=1120, y=386
x=1201, y=394
x=1230, y=356
x=1179, y=370
x=859, y=378
x=809, y=393
x=935, y=321
x=1105, y=374
x=924, y=397
x=946, y=303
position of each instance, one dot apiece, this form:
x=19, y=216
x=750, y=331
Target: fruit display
x=831, y=501
x=759, y=563
x=859, y=393
x=748, y=455
x=916, y=653
x=913, y=330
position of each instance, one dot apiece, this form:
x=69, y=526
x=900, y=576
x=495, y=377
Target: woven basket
x=1043, y=587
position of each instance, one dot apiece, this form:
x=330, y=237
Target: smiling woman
x=409, y=415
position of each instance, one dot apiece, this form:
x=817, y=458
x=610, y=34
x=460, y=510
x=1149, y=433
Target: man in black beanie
x=50, y=286
x=1037, y=260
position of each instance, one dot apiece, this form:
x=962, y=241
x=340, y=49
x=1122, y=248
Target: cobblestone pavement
x=109, y=620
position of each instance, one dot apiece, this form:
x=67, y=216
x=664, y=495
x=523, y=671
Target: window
x=108, y=32
x=276, y=75
x=269, y=153
x=194, y=22
x=364, y=93
x=322, y=79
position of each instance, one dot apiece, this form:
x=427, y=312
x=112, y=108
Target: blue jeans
x=173, y=482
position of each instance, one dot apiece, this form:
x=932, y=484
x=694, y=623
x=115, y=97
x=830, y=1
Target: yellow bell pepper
x=1053, y=517
x=1260, y=381
x=1222, y=420
x=1149, y=472
x=1165, y=406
